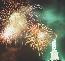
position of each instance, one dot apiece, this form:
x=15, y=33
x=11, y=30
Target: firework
x=39, y=36
x=16, y=18
x=17, y=24
x=14, y=21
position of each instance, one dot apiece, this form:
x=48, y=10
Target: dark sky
x=52, y=7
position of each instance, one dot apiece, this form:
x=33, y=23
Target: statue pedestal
x=54, y=55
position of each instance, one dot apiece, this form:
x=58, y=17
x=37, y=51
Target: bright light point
x=8, y=32
x=41, y=35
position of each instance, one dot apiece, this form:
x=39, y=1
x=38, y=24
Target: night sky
x=54, y=17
